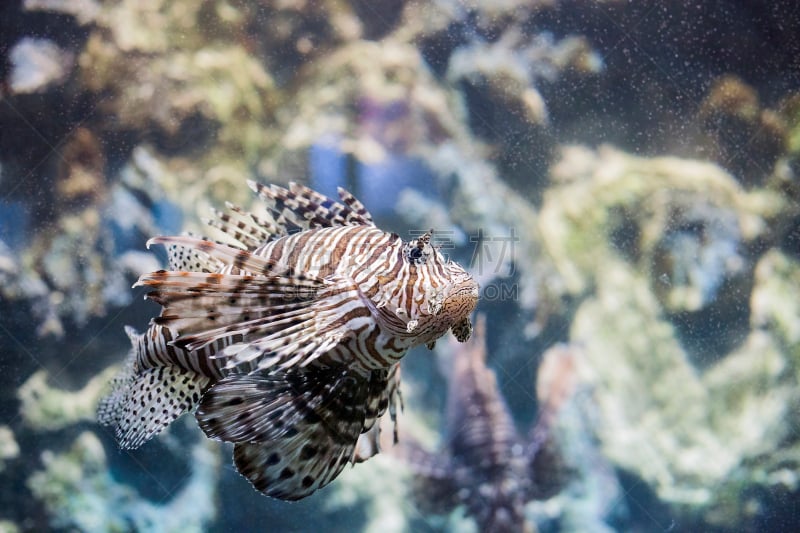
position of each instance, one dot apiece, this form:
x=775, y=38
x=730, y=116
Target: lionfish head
x=457, y=295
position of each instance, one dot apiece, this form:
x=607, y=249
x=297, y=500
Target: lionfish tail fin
x=142, y=403
x=294, y=431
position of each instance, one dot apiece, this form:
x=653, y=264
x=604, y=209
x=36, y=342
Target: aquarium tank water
x=399, y=266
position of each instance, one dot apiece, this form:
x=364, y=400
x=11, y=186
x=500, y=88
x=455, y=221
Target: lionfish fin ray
x=245, y=228
x=206, y=307
x=281, y=336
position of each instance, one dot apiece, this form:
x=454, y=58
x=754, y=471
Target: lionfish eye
x=415, y=250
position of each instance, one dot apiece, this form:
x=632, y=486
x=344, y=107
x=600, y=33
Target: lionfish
x=287, y=341
x=484, y=464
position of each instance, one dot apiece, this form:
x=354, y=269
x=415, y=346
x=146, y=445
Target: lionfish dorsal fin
x=357, y=214
x=295, y=431
x=244, y=228
x=299, y=208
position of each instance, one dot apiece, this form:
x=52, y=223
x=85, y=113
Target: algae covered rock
x=78, y=491
x=686, y=223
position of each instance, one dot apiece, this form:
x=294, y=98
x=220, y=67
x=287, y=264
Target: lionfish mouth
x=464, y=299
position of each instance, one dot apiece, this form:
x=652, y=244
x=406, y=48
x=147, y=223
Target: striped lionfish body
x=287, y=341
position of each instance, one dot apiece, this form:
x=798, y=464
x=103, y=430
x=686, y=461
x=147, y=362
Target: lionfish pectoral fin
x=251, y=408
x=304, y=339
x=462, y=330
x=277, y=320
x=227, y=308
x=322, y=329
x=294, y=431
x=142, y=404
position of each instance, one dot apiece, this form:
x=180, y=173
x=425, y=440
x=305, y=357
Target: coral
x=509, y=69
x=609, y=203
x=646, y=244
x=9, y=449
x=684, y=433
x=8, y=527
x=746, y=139
x=37, y=64
x=775, y=304
x=84, y=11
x=78, y=491
x=790, y=111
x=370, y=99
x=44, y=407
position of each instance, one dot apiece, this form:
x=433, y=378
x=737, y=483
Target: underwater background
x=622, y=178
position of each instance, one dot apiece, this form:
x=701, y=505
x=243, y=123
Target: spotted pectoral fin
x=294, y=430
x=141, y=405
x=258, y=407
x=290, y=477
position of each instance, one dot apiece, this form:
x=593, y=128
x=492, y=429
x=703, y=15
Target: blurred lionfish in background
x=484, y=464
x=287, y=341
